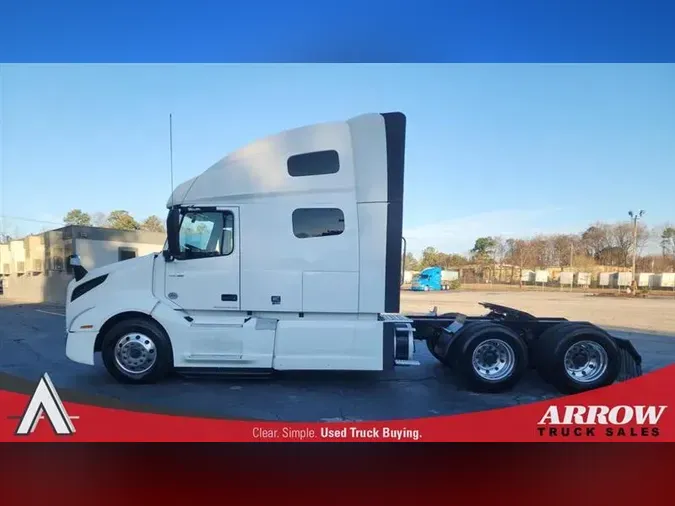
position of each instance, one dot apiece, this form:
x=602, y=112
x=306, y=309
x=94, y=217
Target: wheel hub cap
x=494, y=360
x=135, y=353
x=586, y=361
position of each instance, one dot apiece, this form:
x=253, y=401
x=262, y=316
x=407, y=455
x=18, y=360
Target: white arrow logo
x=46, y=400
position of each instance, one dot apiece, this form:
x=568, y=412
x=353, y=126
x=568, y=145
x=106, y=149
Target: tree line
x=120, y=220
x=600, y=244
x=609, y=244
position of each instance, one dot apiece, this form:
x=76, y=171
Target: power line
x=33, y=220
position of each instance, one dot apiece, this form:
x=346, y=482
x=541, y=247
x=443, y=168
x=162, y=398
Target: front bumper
x=80, y=346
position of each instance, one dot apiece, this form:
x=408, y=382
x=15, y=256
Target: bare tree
x=453, y=260
x=595, y=239
x=499, y=255
x=622, y=241
x=519, y=252
x=411, y=263
x=99, y=219
x=562, y=246
x=542, y=253
x=613, y=244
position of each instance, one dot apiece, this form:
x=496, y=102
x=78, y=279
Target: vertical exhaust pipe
x=405, y=247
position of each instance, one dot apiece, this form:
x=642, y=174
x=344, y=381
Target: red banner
x=635, y=410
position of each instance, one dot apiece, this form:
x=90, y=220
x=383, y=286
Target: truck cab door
x=203, y=279
x=205, y=275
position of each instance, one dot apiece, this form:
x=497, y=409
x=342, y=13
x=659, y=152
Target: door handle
x=228, y=297
x=176, y=275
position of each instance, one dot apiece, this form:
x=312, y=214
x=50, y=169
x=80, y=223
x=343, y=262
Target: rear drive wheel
x=137, y=351
x=576, y=358
x=489, y=357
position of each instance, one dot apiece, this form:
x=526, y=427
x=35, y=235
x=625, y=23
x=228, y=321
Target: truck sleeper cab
x=430, y=279
x=286, y=255
x=282, y=255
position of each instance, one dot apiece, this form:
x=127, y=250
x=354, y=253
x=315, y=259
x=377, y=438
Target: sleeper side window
x=318, y=222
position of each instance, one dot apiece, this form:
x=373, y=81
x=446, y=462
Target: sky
x=508, y=150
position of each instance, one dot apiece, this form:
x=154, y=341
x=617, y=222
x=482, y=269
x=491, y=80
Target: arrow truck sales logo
x=600, y=420
x=45, y=401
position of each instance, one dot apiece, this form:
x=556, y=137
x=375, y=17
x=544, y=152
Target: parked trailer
x=605, y=278
x=220, y=299
x=645, y=279
x=527, y=276
x=583, y=278
x=621, y=279
x=541, y=277
x=665, y=280
x=449, y=276
x=566, y=278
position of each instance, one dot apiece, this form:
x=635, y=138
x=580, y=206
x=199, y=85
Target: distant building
x=37, y=268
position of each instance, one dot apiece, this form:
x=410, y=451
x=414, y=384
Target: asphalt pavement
x=32, y=343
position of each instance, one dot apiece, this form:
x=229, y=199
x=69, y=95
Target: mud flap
x=631, y=361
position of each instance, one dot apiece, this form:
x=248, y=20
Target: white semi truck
x=286, y=255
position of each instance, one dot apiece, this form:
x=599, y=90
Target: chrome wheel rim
x=493, y=360
x=135, y=353
x=586, y=361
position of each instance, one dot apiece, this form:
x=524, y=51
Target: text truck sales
x=596, y=420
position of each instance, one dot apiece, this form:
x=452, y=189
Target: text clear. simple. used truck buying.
x=287, y=255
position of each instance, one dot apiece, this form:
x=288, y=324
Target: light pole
x=635, y=217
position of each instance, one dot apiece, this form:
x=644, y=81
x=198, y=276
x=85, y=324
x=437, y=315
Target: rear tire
x=576, y=358
x=489, y=357
x=137, y=351
x=431, y=344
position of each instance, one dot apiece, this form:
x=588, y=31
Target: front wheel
x=137, y=351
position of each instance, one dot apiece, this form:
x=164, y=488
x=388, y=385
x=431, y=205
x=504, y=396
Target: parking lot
x=32, y=342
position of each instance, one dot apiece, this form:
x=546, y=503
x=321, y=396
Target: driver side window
x=206, y=234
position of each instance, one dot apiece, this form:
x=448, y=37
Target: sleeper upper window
x=317, y=163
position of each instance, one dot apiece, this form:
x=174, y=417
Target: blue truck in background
x=430, y=279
